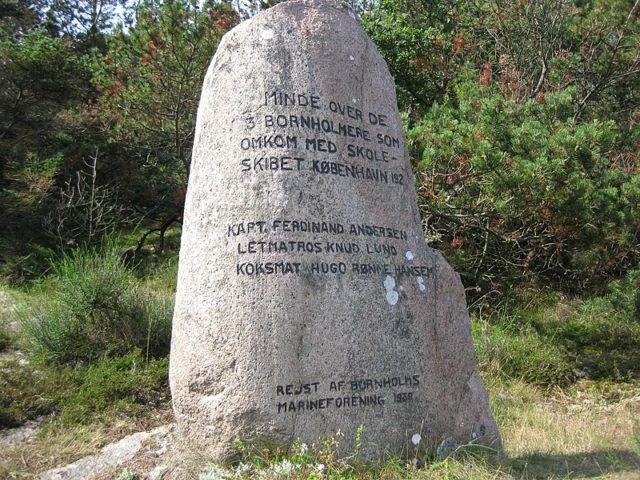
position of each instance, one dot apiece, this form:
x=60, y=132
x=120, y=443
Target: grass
x=562, y=377
x=85, y=408
x=586, y=432
x=581, y=434
x=85, y=400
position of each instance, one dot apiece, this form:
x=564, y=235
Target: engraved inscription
x=303, y=133
x=339, y=394
x=258, y=237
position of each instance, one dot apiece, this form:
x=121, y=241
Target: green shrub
x=124, y=384
x=81, y=394
x=99, y=307
x=604, y=333
x=21, y=269
x=517, y=351
x=518, y=190
x=596, y=337
x=605, y=347
x=27, y=393
x=5, y=338
x=164, y=275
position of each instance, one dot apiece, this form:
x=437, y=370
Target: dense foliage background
x=522, y=126
x=522, y=122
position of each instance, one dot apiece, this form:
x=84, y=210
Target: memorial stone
x=308, y=301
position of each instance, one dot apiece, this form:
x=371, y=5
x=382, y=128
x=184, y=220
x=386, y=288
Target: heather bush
x=99, y=307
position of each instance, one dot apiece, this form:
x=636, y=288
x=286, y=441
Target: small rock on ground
x=157, y=473
x=111, y=456
x=14, y=436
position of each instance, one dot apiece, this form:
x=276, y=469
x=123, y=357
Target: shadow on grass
x=542, y=466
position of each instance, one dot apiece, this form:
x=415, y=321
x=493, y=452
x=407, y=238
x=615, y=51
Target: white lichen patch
x=409, y=255
x=389, y=286
x=421, y=285
x=267, y=34
x=392, y=297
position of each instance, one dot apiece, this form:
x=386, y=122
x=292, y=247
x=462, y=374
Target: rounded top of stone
x=339, y=4
x=328, y=3
x=335, y=4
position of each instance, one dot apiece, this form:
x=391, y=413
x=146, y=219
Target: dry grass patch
x=590, y=432
x=56, y=447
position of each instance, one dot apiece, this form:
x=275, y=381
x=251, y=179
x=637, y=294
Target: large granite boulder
x=308, y=301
